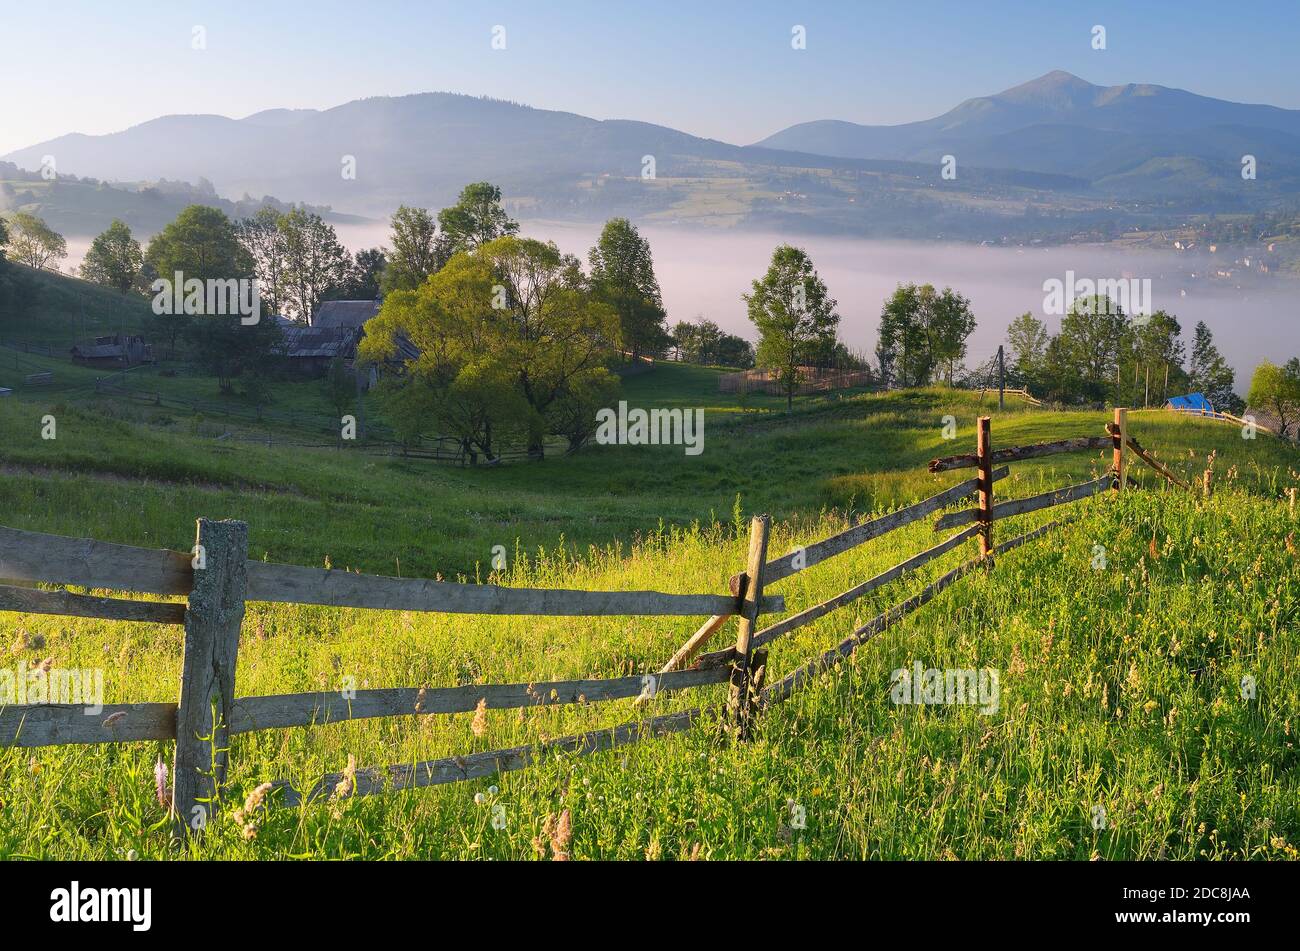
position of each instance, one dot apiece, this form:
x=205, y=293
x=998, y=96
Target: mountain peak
x=1057, y=88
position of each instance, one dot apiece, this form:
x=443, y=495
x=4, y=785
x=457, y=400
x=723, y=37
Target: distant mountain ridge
x=1053, y=153
x=1061, y=124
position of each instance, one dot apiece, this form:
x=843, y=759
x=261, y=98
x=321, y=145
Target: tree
x=33, y=243
x=794, y=315
x=512, y=346
x=475, y=219
x=262, y=238
x=1082, y=361
x=1276, y=390
x=1154, y=349
x=1210, y=373
x=314, y=261
x=1027, y=340
x=923, y=332
x=623, y=275
x=114, y=259
x=200, y=244
x=362, y=280
x=4, y=237
x=415, y=254
x=703, y=341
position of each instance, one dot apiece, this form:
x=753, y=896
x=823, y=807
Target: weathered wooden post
x=1119, y=439
x=212, y=622
x=1291, y=505
x=984, y=450
x=740, y=700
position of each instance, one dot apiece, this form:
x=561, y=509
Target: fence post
x=212, y=622
x=1119, y=439
x=740, y=699
x=984, y=449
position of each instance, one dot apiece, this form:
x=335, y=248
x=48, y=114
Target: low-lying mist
x=705, y=272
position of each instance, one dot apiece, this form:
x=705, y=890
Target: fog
x=705, y=272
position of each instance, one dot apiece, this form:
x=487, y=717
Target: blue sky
x=720, y=69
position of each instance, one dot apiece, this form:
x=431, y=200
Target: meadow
x=1120, y=675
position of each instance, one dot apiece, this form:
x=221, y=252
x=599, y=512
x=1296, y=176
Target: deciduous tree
x=794, y=315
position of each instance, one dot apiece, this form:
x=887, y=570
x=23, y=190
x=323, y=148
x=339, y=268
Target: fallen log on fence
x=56, y=559
x=784, y=567
x=1149, y=459
x=36, y=601
x=782, y=690
x=455, y=769
x=1031, y=504
x=60, y=724
x=317, y=709
x=298, y=585
x=780, y=628
x=695, y=642
x=1017, y=453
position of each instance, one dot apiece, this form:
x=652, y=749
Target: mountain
x=422, y=149
x=1054, y=157
x=1124, y=139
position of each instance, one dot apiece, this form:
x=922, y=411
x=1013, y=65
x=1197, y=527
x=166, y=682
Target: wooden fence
x=218, y=579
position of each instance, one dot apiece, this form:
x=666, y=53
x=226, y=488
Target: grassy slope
x=67, y=309
x=1119, y=684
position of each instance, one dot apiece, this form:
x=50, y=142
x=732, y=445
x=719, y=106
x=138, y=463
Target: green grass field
x=1120, y=685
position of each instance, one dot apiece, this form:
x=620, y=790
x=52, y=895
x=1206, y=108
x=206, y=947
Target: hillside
x=86, y=206
x=1119, y=690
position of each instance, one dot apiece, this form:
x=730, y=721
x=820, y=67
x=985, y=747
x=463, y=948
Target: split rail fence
x=219, y=579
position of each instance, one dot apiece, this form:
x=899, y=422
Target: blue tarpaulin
x=1191, y=403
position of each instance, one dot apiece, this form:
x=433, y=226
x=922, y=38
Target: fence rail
x=219, y=579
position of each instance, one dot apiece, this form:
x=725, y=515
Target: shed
x=115, y=350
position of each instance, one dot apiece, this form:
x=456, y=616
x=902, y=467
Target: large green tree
x=202, y=244
x=1027, y=339
x=923, y=334
x=623, y=275
x=314, y=262
x=477, y=218
x=1276, y=390
x=1152, y=361
x=114, y=259
x=512, y=347
x=33, y=242
x=264, y=241
x=415, y=251
x=1082, y=361
x=794, y=315
x=1210, y=373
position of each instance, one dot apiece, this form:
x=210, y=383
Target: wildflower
x=561, y=836
x=479, y=726
x=160, y=784
x=479, y=798
x=343, y=788
x=492, y=790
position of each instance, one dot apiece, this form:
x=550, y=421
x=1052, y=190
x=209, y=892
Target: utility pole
x=1002, y=380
